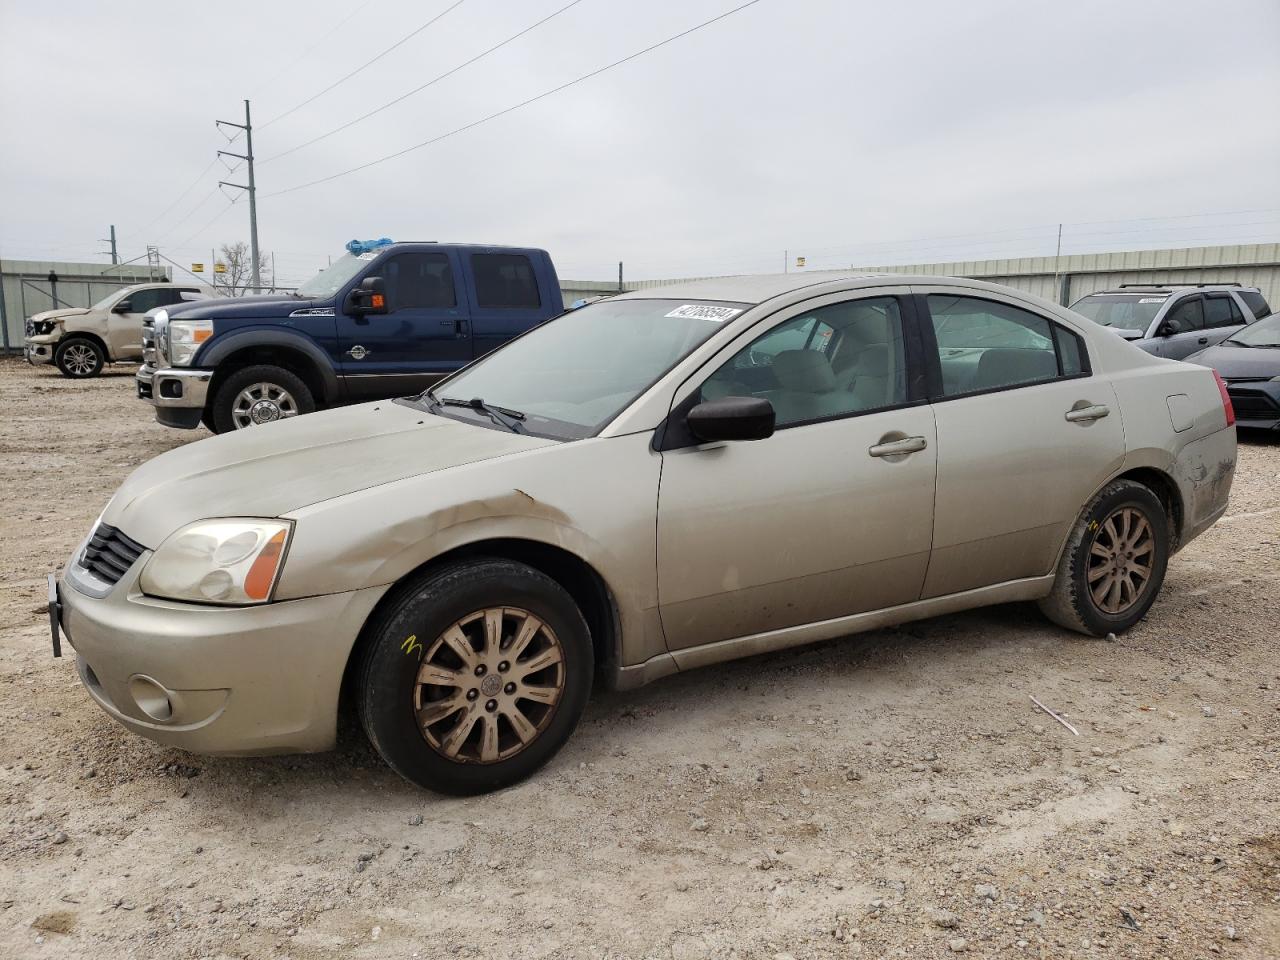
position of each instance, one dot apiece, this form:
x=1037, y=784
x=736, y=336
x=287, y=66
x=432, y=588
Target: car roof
x=1146, y=290
x=758, y=288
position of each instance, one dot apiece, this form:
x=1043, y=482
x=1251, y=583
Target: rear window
x=1124, y=311
x=505, y=280
x=1255, y=302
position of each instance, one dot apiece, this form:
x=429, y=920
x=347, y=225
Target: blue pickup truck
x=387, y=319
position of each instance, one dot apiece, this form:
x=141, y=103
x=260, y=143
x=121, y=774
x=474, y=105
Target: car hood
x=1240, y=363
x=244, y=307
x=270, y=470
x=60, y=314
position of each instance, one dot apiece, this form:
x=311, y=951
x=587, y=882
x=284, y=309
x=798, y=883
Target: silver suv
x=1174, y=320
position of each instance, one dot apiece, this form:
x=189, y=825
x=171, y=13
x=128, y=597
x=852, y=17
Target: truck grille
x=110, y=554
x=1253, y=404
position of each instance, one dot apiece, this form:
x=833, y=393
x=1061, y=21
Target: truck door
x=424, y=335
x=506, y=298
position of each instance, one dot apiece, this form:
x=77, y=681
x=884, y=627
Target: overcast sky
x=848, y=132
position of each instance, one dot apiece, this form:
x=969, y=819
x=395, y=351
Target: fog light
x=151, y=698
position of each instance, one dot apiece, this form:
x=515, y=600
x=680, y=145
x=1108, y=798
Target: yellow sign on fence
x=219, y=268
x=197, y=268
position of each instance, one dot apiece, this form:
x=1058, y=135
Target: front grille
x=109, y=553
x=1253, y=404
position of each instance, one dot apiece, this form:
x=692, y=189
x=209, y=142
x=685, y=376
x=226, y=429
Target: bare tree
x=235, y=282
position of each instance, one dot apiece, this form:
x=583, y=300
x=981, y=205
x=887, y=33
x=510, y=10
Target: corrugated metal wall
x=1252, y=265
x=25, y=288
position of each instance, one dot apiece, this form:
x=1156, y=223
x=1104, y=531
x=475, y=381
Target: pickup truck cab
x=80, y=341
x=387, y=319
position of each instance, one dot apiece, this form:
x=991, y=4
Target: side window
x=505, y=280
x=1189, y=313
x=418, y=280
x=838, y=360
x=985, y=345
x=1256, y=302
x=1221, y=311
x=140, y=301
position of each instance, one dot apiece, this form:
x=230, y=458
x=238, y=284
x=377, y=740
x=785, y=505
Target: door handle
x=896, y=448
x=1086, y=414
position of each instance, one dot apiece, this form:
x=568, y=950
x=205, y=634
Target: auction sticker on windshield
x=700, y=311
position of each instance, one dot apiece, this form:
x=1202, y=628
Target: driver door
x=1191, y=336
x=425, y=334
x=124, y=322
x=821, y=520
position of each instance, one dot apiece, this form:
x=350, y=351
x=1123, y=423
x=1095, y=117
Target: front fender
x=223, y=346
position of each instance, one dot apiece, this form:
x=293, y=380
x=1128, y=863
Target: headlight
x=229, y=562
x=185, y=337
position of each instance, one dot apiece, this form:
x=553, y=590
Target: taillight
x=1226, y=399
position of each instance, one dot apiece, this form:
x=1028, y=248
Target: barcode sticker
x=702, y=311
x=1153, y=299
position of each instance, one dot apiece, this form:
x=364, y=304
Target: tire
x=206, y=419
x=417, y=728
x=280, y=395
x=1073, y=603
x=79, y=358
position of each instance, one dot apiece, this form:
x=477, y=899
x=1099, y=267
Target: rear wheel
x=475, y=676
x=259, y=394
x=79, y=357
x=1114, y=564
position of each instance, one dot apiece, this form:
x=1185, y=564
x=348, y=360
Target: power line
x=160, y=216
x=517, y=106
x=431, y=82
x=216, y=217
x=367, y=63
x=307, y=52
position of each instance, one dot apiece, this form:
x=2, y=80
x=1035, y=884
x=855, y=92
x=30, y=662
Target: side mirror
x=1169, y=328
x=732, y=418
x=124, y=306
x=369, y=297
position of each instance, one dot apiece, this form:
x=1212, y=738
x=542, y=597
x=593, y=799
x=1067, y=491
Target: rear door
x=124, y=328
x=1222, y=318
x=1026, y=434
x=424, y=335
x=506, y=297
x=1189, y=315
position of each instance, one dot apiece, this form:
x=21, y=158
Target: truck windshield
x=575, y=373
x=1125, y=311
x=334, y=277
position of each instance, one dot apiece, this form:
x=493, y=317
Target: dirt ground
x=892, y=794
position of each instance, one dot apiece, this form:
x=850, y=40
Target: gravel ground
x=893, y=794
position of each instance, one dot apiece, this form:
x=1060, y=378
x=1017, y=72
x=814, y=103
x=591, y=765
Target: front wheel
x=475, y=676
x=79, y=357
x=259, y=394
x=1114, y=563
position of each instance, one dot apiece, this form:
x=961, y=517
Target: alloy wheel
x=262, y=403
x=79, y=359
x=1120, y=560
x=488, y=685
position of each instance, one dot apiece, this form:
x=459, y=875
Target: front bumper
x=1256, y=403
x=238, y=681
x=178, y=394
x=39, y=350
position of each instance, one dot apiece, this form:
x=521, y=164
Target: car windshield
x=1127, y=311
x=1260, y=333
x=334, y=277
x=575, y=373
x=108, y=300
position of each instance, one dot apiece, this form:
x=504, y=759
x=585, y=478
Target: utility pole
x=619, y=276
x=255, y=280
x=115, y=259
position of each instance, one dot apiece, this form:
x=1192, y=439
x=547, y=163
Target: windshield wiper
x=499, y=415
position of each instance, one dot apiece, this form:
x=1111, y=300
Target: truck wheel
x=259, y=394
x=475, y=676
x=79, y=357
x=1114, y=562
